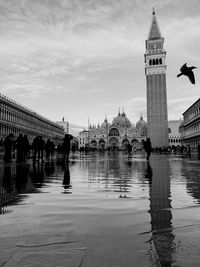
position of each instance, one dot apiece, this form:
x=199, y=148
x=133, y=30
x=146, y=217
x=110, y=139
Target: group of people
x=146, y=145
x=38, y=146
x=22, y=147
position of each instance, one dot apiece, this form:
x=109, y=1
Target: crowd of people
x=23, y=149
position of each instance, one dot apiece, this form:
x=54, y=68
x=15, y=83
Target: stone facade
x=155, y=71
x=174, y=133
x=190, y=128
x=115, y=135
x=16, y=119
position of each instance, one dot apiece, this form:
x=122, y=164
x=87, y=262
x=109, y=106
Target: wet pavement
x=101, y=210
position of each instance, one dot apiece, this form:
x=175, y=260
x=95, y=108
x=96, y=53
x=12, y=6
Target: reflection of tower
x=160, y=205
x=155, y=71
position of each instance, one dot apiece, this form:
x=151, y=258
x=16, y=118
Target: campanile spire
x=155, y=71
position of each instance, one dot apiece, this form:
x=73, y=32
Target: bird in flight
x=187, y=71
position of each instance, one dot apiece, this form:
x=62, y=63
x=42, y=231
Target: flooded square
x=101, y=209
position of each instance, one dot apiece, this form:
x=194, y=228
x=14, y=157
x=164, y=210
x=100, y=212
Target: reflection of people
x=149, y=173
x=66, y=179
x=147, y=147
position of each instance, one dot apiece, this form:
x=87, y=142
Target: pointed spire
x=154, y=32
x=119, y=112
x=105, y=120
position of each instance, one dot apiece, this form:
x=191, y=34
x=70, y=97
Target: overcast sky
x=85, y=58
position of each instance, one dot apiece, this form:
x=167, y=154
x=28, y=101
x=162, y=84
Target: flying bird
x=187, y=71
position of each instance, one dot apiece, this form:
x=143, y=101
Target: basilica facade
x=115, y=135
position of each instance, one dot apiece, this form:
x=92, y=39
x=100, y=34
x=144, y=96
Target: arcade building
x=16, y=119
x=116, y=135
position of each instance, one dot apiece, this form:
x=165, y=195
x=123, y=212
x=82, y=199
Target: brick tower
x=155, y=71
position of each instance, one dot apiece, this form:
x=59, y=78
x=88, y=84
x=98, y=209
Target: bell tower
x=155, y=71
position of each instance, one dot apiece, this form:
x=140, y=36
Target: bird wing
x=191, y=77
x=183, y=67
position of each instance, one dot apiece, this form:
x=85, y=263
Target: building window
x=169, y=130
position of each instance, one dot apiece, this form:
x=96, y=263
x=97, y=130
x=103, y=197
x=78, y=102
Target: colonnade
x=16, y=119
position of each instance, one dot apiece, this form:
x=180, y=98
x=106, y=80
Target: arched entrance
x=135, y=144
x=114, y=132
x=125, y=143
x=93, y=144
x=114, y=143
x=102, y=144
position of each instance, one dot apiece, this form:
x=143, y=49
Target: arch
x=113, y=143
x=125, y=143
x=114, y=132
x=134, y=141
x=93, y=143
x=150, y=62
x=160, y=60
x=156, y=61
x=102, y=144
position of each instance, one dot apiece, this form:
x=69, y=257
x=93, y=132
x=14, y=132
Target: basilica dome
x=105, y=124
x=121, y=121
x=141, y=123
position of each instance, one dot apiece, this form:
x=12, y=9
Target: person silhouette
x=67, y=146
x=147, y=147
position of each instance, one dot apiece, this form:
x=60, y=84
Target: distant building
x=155, y=71
x=174, y=133
x=16, y=119
x=83, y=138
x=64, y=124
x=115, y=135
x=190, y=128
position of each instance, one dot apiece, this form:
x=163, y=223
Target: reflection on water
x=66, y=180
x=160, y=210
x=17, y=181
x=127, y=188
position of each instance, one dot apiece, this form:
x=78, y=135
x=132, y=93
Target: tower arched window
x=160, y=60
x=156, y=61
x=150, y=62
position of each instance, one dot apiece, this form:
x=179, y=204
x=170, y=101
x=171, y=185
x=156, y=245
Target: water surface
x=101, y=210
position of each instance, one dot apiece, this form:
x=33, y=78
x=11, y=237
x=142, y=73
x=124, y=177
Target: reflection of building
x=116, y=135
x=160, y=210
x=190, y=128
x=174, y=133
x=16, y=119
x=155, y=71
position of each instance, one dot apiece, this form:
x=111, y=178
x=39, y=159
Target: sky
x=81, y=59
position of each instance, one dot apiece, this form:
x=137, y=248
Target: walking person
x=41, y=145
x=35, y=147
x=67, y=146
x=47, y=148
x=20, y=146
x=8, y=146
x=148, y=147
x=26, y=148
